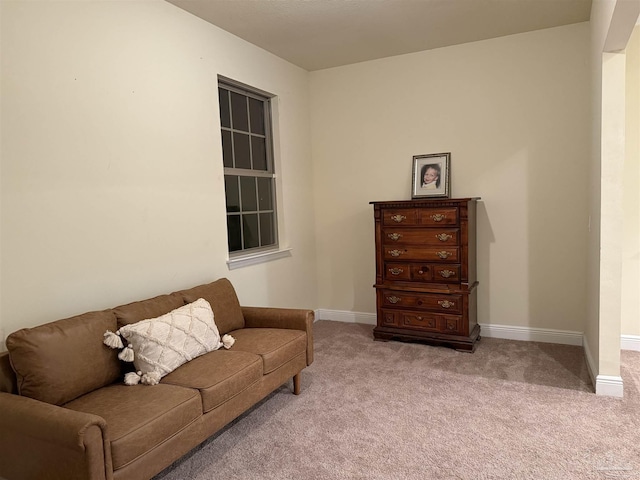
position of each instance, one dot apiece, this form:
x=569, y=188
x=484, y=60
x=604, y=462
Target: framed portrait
x=431, y=177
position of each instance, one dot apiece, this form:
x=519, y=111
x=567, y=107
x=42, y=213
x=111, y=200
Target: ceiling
x=317, y=34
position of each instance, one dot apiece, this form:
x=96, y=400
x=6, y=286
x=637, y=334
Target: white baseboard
x=605, y=385
x=529, y=334
x=630, y=342
x=490, y=331
x=609, y=386
x=346, y=316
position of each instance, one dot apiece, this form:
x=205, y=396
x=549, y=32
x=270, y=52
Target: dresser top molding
x=418, y=202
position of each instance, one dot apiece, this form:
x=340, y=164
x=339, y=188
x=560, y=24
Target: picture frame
x=431, y=175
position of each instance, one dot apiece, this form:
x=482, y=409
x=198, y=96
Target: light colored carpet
x=375, y=410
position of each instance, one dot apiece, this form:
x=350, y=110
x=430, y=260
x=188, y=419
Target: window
x=249, y=178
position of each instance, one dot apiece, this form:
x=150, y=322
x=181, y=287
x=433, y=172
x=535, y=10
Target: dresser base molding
x=464, y=344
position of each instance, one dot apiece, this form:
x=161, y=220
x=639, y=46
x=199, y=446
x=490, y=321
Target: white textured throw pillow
x=162, y=344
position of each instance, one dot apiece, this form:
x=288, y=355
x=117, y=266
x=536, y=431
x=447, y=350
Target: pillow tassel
x=127, y=354
x=151, y=378
x=112, y=340
x=228, y=341
x=132, y=378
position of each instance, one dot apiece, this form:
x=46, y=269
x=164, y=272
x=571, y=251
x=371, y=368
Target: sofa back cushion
x=224, y=303
x=146, y=309
x=63, y=360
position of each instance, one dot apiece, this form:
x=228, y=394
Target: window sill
x=257, y=258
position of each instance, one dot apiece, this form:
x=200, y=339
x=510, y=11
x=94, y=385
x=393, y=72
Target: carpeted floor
x=375, y=410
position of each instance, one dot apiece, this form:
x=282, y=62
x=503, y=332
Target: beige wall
x=112, y=179
x=601, y=12
x=611, y=25
x=631, y=198
x=514, y=113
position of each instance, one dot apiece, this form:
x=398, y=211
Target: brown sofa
x=66, y=414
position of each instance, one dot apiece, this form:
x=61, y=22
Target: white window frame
x=254, y=255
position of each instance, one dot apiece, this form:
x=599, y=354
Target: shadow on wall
x=532, y=241
x=485, y=238
x=557, y=225
x=364, y=299
x=349, y=270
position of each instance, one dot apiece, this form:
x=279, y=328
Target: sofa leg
x=296, y=383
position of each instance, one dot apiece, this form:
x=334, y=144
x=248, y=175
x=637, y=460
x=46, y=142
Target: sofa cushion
x=140, y=418
x=150, y=308
x=218, y=375
x=164, y=343
x=223, y=300
x=59, y=361
x=276, y=346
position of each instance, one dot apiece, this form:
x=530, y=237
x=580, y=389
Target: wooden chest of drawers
x=426, y=271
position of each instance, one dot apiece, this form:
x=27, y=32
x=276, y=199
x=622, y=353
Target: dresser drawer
x=431, y=236
x=401, y=216
x=397, y=271
x=422, y=217
x=436, y=302
x=431, y=254
x=432, y=322
x=439, y=216
x=422, y=272
x=422, y=321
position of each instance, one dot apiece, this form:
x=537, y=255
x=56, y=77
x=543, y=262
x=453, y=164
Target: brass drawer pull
x=438, y=217
x=443, y=237
x=396, y=271
x=395, y=236
x=395, y=253
x=446, y=303
x=443, y=254
x=447, y=273
x=398, y=218
x=393, y=299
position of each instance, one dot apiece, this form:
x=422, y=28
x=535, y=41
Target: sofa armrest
x=291, y=318
x=39, y=440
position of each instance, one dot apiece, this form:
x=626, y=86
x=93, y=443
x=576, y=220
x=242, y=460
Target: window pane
x=250, y=227
x=256, y=111
x=239, y=112
x=227, y=150
x=245, y=119
x=225, y=115
x=248, y=193
x=241, y=149
x=259, y=153
x=233, y=233
x=232, y=191
x=266, y=229
x=265, y=197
